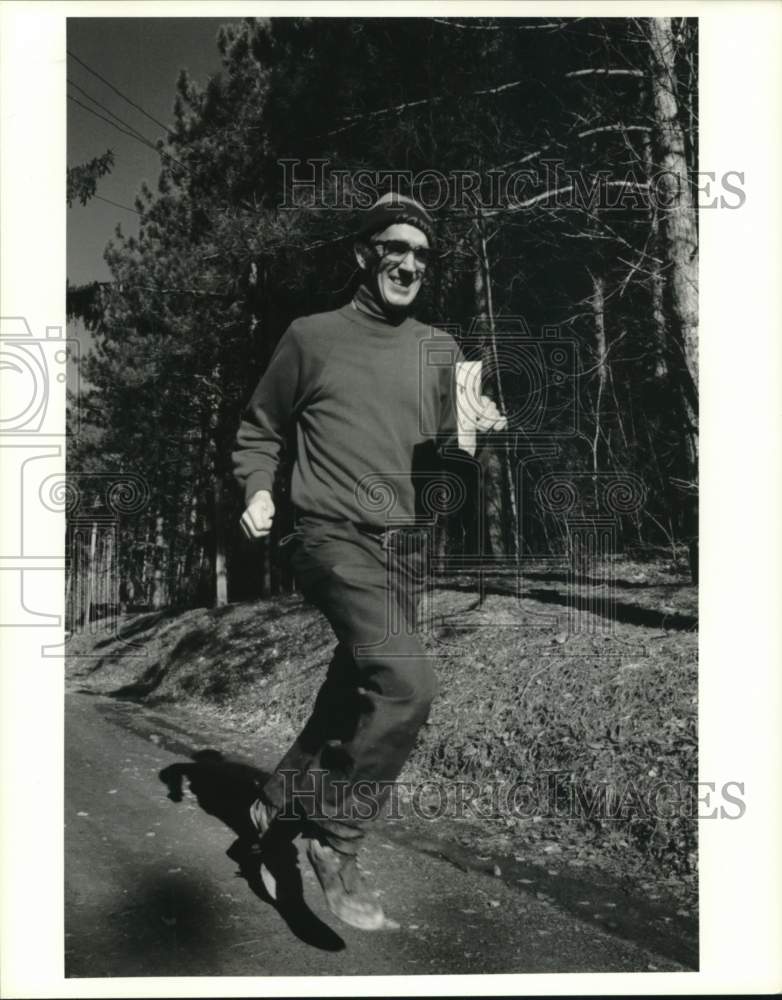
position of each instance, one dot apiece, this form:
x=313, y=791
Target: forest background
x=559, y=158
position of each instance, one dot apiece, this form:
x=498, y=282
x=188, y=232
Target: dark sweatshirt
x=372, y=401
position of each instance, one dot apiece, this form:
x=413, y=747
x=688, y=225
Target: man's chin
x=396, y=306
x=400, y=302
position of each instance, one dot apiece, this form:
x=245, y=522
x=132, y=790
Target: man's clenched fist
x=256, y=521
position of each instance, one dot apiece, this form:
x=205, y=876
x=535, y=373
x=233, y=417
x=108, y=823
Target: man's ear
x=363, y=255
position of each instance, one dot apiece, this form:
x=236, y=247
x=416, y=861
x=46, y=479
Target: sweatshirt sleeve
x=267, y=417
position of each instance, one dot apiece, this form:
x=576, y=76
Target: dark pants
x=379, y=685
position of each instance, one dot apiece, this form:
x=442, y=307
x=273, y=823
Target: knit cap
x=395, y=208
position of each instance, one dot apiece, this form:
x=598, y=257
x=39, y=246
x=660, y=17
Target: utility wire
x=174, y=225
x=108, y=111
x=124, y=127
x=92, y=111
x=138, y=135
x=117, y=90
x=117, y=204
x=133, y=135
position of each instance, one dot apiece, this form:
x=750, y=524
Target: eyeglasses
x=395, y=251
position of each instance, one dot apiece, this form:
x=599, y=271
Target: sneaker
x=269, y=880
x=275, y=846
x=276, y=865
x=262, y=816
x=279, y=870
x=347, y=895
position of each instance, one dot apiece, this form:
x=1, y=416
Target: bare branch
x=604, y=72
x=504, y=27
x=352, y=120
x=579, y=135
x=566, y=189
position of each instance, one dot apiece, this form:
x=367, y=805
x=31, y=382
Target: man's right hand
x=256, y=521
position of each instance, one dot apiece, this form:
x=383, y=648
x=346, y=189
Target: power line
x=117, y=204
x=139, y=108
x=169, y=223
x=133, y=135
x=124, y=127
x=117, y=90
x=92, y=111
x=127, y=125
x=139, y=136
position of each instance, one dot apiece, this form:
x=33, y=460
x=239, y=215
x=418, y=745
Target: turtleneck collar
x=367, y=301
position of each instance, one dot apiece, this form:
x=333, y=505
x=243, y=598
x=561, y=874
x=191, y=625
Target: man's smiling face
x=397, y=281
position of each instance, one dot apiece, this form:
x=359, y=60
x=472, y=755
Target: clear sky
x=142, y=58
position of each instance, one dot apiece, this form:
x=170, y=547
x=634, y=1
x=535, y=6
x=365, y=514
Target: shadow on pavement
x=165, y=928
x=226, y=789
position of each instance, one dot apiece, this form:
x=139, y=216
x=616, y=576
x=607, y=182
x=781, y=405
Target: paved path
x=150, y=890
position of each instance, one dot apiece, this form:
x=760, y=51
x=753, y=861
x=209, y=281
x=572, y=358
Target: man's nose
x=407, y=263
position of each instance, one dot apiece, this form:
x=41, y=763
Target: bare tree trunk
x=200, y=487
x=221, y=574
x=187, y=560
x=90, y=596
x=111, y=586
x=147, y=569
x=680, y=240
x=598, y=306
x=80, y=579
x=159, y=573
x=652, y=263
x=679, y=221
x=69, y=616
x=177, y=527
x=485, y=307
x=220, y=565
